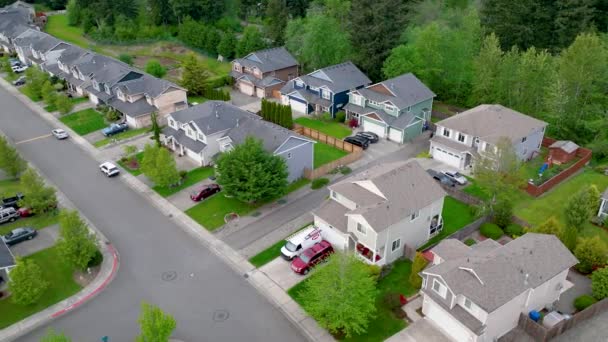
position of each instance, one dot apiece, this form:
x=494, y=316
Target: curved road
x=149, y=245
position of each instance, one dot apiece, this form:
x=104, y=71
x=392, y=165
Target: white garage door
x=193, y=155
x=298, y=106
x=260, y=92
x=370, y=126
x=246, y=88
x=446, y=156
x=395, y=135
x=336, y=238
x=447, y=323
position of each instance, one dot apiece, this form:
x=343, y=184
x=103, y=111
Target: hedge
x=218, y=81
x=319, y=183
x=491, y=230
x=583, y=302
x=514, y=229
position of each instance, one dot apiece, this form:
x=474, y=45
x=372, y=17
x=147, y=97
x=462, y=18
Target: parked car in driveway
x=19, y=68
x=300, y=241
x=109, y=169
x=25, y=212
x=456, y=177
x=60, y=134
x=8, y=214
x=14, y=61
x=441, y=178
x=371, y=136
x=205, y=192
x=20, y=81
x=358, y=141
x=311, y=257
x=19, y=235
x=114, y=128
x=12, y=202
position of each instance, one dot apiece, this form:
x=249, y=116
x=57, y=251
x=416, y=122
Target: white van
x=300, y=241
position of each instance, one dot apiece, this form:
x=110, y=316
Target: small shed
x=562, y=151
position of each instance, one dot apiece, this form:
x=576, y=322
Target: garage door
x=193, y=155
x=446, y=156
x=298, y=106
x=374, y=127
x=395, y=135
x=246, y=88
x=260, y=93
x=447, y=323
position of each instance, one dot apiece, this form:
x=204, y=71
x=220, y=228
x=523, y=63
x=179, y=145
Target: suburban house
x=32, y=45
x=383, y=213
x=14, y=20
x=323, y=90
x=397, y=109
x=202, y=131
x=263, y=73
x=603, y=211
x=477, y=293
x=459, y=139
x=7, y=262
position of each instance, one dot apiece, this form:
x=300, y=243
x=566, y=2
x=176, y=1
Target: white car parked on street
x=60, y=134
x=109, y=169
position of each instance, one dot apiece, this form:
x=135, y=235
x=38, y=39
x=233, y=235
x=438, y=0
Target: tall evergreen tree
x=251, y=41
x=161, y=12
x=572, y=17
x=227, y=44
x=486, y=72
x=276, y=20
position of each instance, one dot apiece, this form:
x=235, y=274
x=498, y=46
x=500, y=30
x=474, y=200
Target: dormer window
x=172, y=123
x=326, y=94
x=96, y=85
x=389, y=107
x=236, y=67
x=299, y=83
x=108, y=90
x=467, y=303
x=439, y=288
x=446, y=132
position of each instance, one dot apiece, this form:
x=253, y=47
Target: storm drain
x=220, y=315
x=169, y=275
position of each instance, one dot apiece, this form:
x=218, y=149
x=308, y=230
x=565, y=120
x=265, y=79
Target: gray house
x=397, y=109
x=32, y=45
x=463, y=137
x=7, y=262
x=203, y=131
x=14, y=20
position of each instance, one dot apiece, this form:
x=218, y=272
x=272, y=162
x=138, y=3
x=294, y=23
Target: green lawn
x=455, y=216
x=295, y=185
x=75, y=100
x=385, y=324
x=61, y=286
x=326, y=153
x=57, y=25
x=25, y=90
x=9, y=187
x=36, y=222
x=210, y=212
x=334, y=129
x=135, y=172
x=85, y=121
x=271, y=252
x=122, y=136
x=193, y=177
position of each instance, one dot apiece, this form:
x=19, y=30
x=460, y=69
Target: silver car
x=456, y=177
x=60, y=134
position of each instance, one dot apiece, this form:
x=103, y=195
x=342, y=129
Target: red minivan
x=311, y=257
x=205, y=192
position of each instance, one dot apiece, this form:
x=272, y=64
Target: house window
x=326, y=94
x=467, y=303
x=299, y=83
x=409, y=108
x=172, y=123
x=524, y=139
x=439, y=288
x=372, y=102
x=96, y=85
x=414, y=215
x=289, y=155
x=361, y=229
x=389, y=107
x=358, y=100
x=446, y=132
x=461, y=137
x=396, y=244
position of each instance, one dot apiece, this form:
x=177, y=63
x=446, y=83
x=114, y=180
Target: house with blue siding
x=397, y=109
x=323, y=90
x=205, y=130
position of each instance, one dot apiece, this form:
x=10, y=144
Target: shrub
x=375, y=271
x=591, y=254
x=345, y=170
x=326, y=117
x=419, y=264
x=423, y=155
x=469, y=242
x=183, y=174
x=126, y=58
x=112, y=115
x=340, y=116
x=503, y=211
x=514, y=229
x=319, y=183
x=353, y=123
x=599, y=283
x=96, y=260
x=63, y=104
x=583, y=302
x=491, y=230
x=392, y=300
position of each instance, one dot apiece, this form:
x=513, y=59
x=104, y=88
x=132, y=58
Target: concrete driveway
x=182, y=199
x=280, y=272
x=239, y=99
x=420, y=331
x=375, y=151
x=434, y=164
x=46, y=238
x=94, y=137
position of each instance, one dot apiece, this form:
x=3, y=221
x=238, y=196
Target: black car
x=12, y=202
x=358, y=141
x=441, y=178
x=19, y=235
x=372, y=137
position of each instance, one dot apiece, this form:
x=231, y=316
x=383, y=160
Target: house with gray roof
x=398, y=109
x=7, y=262
x=323, y=90
x=462, y=138
x=383, y=213
x=263, y=73
x=32, y=45
x=14, y=20
x=203, y=131
x=477, y=293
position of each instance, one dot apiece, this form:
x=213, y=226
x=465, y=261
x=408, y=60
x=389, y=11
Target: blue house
x=323, y=90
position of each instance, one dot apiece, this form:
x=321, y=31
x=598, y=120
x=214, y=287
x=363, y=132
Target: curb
x=265, y=286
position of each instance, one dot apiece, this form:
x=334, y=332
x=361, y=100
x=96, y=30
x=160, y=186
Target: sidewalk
x=273, y=293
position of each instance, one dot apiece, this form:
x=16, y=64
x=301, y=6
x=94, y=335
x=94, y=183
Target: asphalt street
x=150, y=245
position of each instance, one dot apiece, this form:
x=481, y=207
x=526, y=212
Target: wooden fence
x=463, y=232
x=542, y=334
x=354, y=152
x=583, y=153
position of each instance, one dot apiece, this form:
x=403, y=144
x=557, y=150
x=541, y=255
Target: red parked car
x=25, y=212
x=205, y=192
x=311, y=257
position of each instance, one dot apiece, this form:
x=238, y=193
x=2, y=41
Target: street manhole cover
x=220, y=315
x=169, y=275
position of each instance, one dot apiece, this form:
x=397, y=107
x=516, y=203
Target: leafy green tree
x=341, y=295
x=193, y=33
x=155, y=325
x=52, y=336
x=503, y=212
x=77, y=244
x=485, y=71
x=194, y=75
x=419, y=264
x=126, y=58
x=161, y=12
x=166, y=169
x=36, y=194
x=35, y=81
x=572, y=18
x=155, y=129
x=250, y=173
x=48, y=93
x=550, y=226
x=148, y=161
x=27, y=283
x=64, y=104
x=577, y=209
x=10, y=160
x=569, y=237
x=599, y=283
x=73, y=12
x=591, y=253
x=227, y=45
x=212, y=40
x=154, y=68
x=593, y=199
x=276, y=20
x=251, y=41
x=205, y=10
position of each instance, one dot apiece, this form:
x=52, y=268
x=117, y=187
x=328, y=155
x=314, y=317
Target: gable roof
x=338, y=78
x=404, y=188
x=269, y=59
x=6, y=256
x=491, y=122
x=505, y=271
x=566, y=145
x=402, y=91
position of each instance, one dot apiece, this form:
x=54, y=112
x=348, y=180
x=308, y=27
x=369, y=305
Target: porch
x=370, y=255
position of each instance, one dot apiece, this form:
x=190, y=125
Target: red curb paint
x=97, y=290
